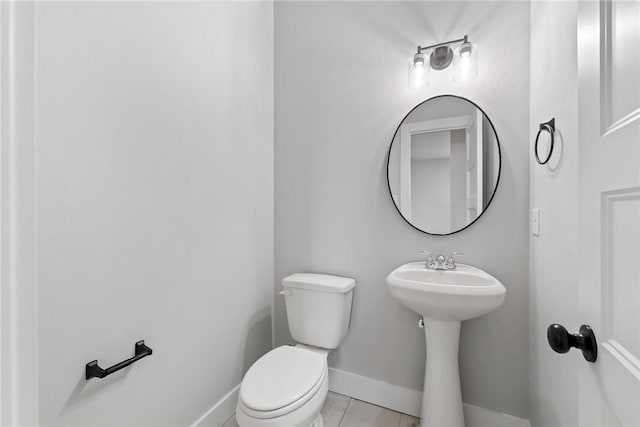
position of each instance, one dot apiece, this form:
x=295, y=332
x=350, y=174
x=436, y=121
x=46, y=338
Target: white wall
x=431, y=181
x=18, y=293
x=340, y=80
x=431, y=194
x=154, y=204
x=553, y=270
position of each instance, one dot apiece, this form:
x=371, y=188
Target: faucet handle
x=427, y=254
x=429, y=262
x=451, y=262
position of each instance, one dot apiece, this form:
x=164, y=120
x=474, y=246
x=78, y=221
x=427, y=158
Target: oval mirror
x=443, y=165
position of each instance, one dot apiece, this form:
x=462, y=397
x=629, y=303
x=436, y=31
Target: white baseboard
x=221, y=411
x=477, y=416
x=401, y=399
x=397, y=398
x=409, y=401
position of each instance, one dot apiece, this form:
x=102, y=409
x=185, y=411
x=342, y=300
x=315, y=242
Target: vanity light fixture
x=464, y=58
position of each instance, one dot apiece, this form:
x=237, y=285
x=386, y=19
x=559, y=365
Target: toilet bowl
x=287, y=386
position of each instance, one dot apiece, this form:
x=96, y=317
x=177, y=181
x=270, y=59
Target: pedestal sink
x=444, y=298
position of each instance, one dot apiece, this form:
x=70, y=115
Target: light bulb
x=418, y=71
x=465, y=62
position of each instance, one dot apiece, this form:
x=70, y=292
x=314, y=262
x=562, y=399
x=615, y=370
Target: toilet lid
x=281, y=377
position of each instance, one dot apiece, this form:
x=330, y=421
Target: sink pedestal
x=444, y=298
x=442, y=398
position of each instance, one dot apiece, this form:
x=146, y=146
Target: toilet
x=287, y=386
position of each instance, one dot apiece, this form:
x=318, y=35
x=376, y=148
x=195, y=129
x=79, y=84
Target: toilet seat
x=281, y=381
x=307, y=415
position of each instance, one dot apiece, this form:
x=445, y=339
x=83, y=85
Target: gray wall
x=341, y=85
x=554, y=190
x=154, y=205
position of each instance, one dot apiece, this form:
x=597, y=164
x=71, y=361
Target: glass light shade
x=419, y=71
x=465, y=62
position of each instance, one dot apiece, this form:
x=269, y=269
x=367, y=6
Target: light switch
x=535, y=222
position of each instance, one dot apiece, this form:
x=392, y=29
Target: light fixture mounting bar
x=422, y=49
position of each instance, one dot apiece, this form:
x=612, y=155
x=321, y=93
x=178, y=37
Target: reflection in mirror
x=444, y=165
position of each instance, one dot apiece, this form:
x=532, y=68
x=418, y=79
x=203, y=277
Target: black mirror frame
x=497, y=179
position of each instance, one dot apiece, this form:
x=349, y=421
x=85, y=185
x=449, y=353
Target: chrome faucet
x=440, y=262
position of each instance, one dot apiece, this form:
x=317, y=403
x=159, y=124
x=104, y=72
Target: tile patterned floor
x=344, y=411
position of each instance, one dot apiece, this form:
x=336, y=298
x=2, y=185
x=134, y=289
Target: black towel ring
x=550, y=127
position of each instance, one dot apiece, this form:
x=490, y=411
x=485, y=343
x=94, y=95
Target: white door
x=609, y=193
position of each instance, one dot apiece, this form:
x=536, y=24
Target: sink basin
x=444, y=298
x=459, y=294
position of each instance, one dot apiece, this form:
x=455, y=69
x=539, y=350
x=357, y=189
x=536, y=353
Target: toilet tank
x=318, y=308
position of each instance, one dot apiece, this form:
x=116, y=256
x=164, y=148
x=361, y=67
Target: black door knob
x=561, y=341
